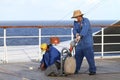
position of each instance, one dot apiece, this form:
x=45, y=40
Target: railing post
x=39, y=54
x=102, y=42
x=5, y=47
x=72, y=34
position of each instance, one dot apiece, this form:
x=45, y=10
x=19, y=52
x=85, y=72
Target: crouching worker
x=50, y=61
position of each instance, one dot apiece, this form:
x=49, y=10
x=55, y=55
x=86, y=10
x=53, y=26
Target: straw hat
x=77, y=13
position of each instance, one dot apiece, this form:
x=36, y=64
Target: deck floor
x=107, y=69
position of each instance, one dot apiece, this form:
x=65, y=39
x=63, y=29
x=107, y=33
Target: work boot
x=92, y=73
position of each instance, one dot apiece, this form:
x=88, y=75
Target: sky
x=13, y=10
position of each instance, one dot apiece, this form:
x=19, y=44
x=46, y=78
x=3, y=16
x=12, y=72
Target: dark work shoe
x=76, y=72
x=53, y=74
x=92, y=73
x=38, y=67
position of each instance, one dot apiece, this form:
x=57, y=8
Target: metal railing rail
x=103, y=43
x=5, y=37
x=71, y=35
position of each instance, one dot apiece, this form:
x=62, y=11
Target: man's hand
x=42, y=66
x=78, y=37
x=77, y=34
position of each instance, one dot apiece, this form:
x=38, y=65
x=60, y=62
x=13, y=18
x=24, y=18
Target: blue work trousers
x=89, y=54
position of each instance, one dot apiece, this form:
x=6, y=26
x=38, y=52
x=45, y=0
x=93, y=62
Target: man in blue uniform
x=50, y=60
x=83, y=36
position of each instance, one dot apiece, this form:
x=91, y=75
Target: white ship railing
x=102, y=43
x=5, y=37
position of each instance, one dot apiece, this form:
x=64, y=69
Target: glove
x=77, y=39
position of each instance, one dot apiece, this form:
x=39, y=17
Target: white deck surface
x=25, y=53
x=31, y=52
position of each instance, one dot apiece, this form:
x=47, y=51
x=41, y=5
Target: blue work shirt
x=51, y=56
x=84, y=30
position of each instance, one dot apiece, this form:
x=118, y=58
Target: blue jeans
x=89, y=54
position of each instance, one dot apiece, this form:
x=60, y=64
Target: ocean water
x=35, y=31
